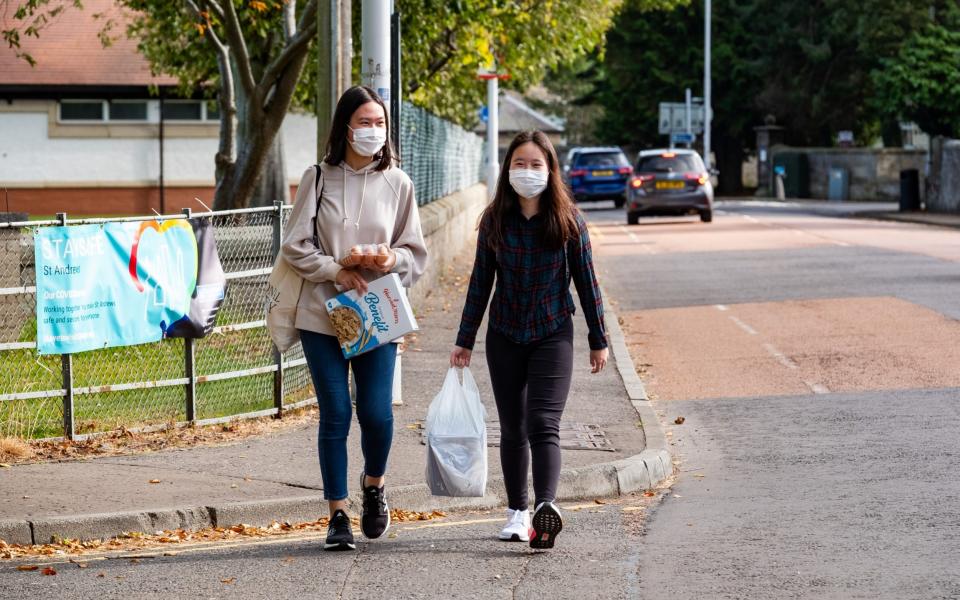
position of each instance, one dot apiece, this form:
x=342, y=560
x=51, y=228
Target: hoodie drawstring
x=363, y=193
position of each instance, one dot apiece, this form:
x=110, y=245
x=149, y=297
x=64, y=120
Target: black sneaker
x=375, y=515
x=545, y=525
x=339, y=533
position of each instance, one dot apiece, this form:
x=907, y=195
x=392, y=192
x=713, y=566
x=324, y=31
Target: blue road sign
x=681, y=137
x=484, y=113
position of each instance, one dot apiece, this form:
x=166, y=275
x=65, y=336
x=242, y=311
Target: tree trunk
x=272, y=185
x=730, y=162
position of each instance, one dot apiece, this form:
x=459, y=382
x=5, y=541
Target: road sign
x=673, y=117
x=682, y=137
x=484, y=113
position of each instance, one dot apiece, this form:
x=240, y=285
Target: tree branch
x=226, y=152
x=237, y=44
x=307, y=30
x=289, y=19
x=439, y=62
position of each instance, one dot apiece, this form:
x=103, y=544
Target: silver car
x=672, y=182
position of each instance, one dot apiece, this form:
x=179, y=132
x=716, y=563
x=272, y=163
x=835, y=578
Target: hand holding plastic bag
x=457, y=439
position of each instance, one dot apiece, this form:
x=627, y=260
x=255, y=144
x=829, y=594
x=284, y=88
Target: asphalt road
x=456, y=557
x=807, y=470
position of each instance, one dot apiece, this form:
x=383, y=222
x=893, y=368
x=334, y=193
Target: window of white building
x=82, y=110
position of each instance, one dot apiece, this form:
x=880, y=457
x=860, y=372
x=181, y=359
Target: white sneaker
x=518, y=526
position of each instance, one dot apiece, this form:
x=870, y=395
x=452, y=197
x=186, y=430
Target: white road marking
x=743, y=325
x=633, y=237
x=751, y=219
x=817, y=388
x=782, y=358
x=721, y=307
x=838, y=243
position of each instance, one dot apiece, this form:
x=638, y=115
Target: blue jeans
x=374, y=376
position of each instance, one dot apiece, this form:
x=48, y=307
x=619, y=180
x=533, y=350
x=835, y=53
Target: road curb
x=635, y=473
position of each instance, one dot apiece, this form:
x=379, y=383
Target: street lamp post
x=707, y=106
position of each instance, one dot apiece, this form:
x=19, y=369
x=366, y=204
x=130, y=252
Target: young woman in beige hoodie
x=363, y=199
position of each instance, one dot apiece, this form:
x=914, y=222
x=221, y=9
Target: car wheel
x=633, y=218
x=706, y=215
x=619, y=202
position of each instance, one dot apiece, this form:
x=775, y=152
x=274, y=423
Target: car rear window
x=678, y=163
x=601, y=159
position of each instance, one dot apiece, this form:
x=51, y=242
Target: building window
x=128, y=110
x=213, y=110
x=183, y=110
x=81, y=110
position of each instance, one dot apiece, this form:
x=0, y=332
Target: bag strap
x=318, y=191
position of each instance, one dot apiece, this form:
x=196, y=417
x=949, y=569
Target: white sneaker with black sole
x=518, y=526
x=545, y=525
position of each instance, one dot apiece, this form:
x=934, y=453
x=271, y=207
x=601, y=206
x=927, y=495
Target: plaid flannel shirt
x=532, y=298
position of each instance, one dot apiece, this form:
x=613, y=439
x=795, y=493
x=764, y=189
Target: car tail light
x=578, y=173
x=700, y=178
x=625, y=170
x=669, y=155
x=638, y=181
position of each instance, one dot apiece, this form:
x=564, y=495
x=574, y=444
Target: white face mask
x=367, y=141
x=528, y=183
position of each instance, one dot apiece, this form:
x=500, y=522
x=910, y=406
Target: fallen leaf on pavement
x=679, y=420
x=80, y=565
x=27, y=567
x=649, y=494
x=700, y=475
x=154, y=481
x=599, y=501
x=4, y=466
x=228, y=580
x=49, y=571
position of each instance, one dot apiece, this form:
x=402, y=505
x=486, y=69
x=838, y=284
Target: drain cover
x=573, y=436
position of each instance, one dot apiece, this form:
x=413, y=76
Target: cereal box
x=380, y=316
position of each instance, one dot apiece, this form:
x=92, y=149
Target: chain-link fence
x=232, y=371
x=439, y=156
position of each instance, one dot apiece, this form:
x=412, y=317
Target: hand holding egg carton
x=369, y=256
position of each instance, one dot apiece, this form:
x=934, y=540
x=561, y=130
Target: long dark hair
x=556, y=205
x=348, y=104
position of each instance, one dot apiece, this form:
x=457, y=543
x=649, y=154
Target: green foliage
x=922, y=82
x=445, y=43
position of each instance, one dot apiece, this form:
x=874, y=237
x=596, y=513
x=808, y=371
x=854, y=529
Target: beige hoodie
x=384, y=206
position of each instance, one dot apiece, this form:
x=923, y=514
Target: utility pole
x=707, y=105
x=375, y=53
x=688, y=100
x=329, y=80
x=493, y=134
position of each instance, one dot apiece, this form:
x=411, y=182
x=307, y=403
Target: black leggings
x=530, y=384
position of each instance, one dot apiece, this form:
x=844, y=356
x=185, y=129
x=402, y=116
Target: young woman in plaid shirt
x=532, y=241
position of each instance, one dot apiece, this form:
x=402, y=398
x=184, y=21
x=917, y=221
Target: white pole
x=707, y=106
x=493, y=134
x=689, y=102
x=375, y=53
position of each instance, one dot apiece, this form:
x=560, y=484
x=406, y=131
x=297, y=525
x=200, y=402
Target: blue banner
x=115, y=284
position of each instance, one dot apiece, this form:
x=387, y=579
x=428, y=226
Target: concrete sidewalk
x=276, y=477
x=883, y=211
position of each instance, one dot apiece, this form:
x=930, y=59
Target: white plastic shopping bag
x=457, y=439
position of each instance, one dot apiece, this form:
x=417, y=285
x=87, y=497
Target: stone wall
x=448, y=225
x=944, y=194
x=874, y=173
